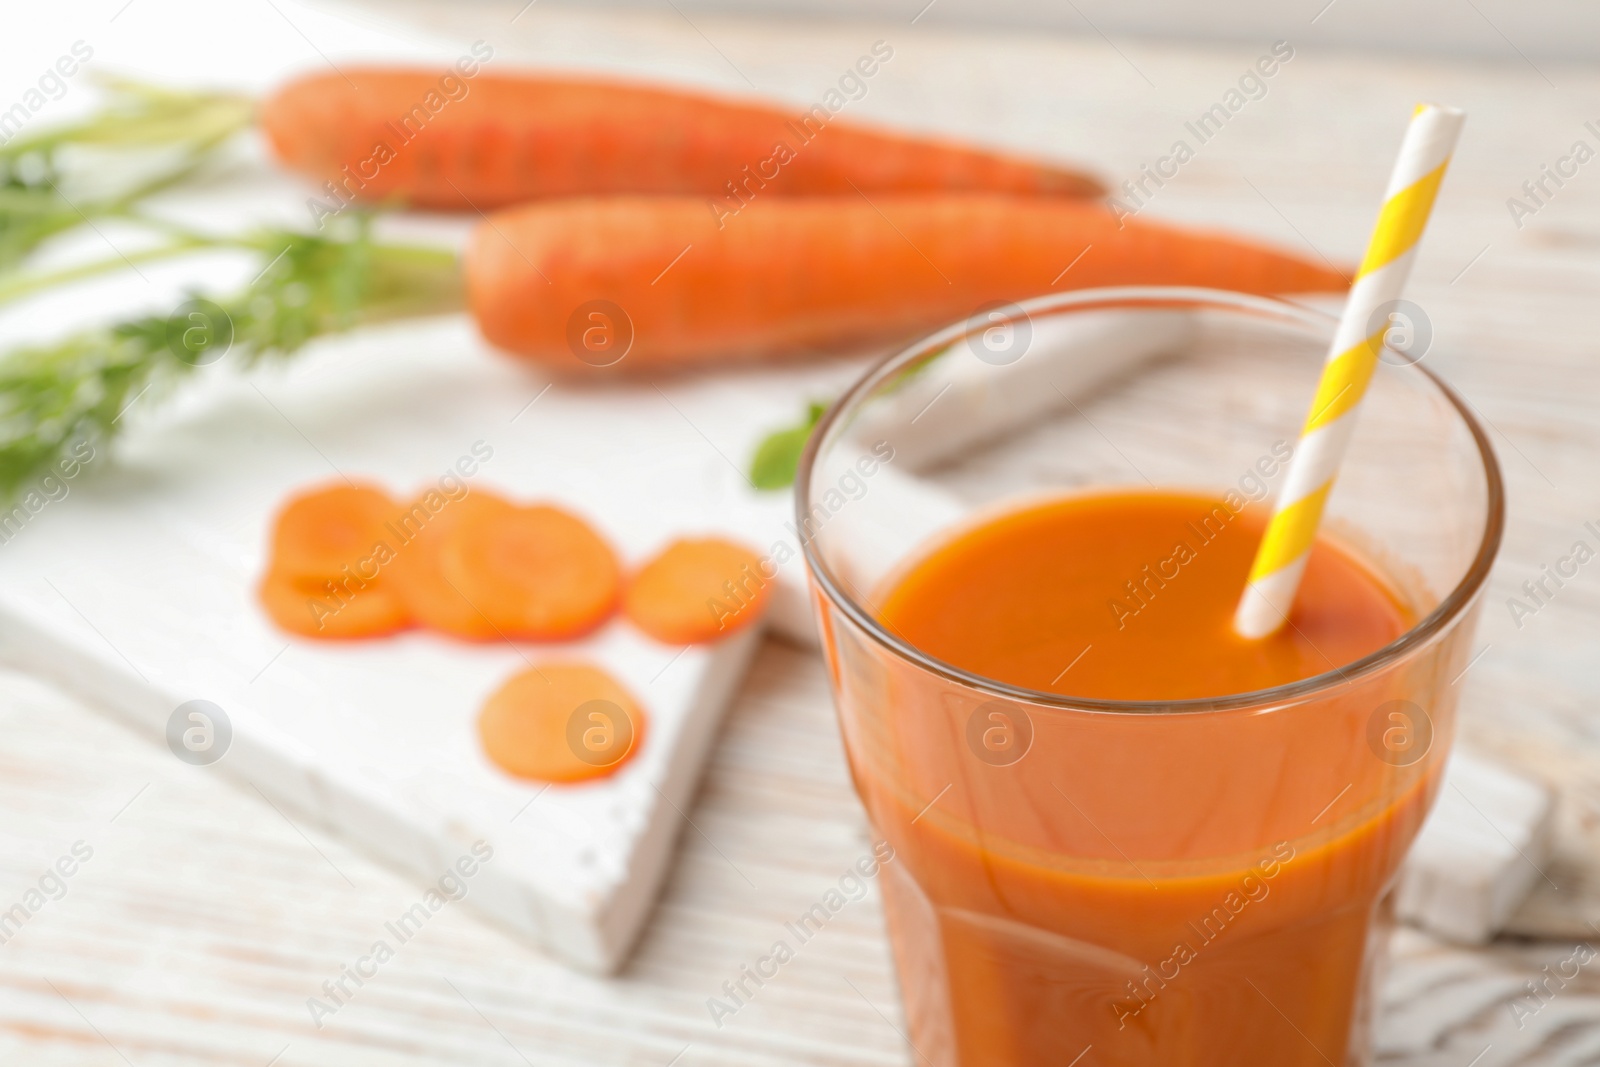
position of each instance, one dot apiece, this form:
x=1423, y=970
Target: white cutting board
x=137, y=587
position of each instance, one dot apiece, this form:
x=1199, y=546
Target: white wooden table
x=205, y=919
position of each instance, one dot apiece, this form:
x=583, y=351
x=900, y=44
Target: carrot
x=313, y=608
x=321, y=532
x=498, y=139
x=561, y=722
x=418, y=577
x=695, y=591
x=324, y=578
x=657, y=281
x=534, y=572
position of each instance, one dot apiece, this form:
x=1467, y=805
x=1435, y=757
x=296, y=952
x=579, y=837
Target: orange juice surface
x=1150, y=581
x=1156, y=889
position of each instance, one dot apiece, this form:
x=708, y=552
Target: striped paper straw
x=1353, y=356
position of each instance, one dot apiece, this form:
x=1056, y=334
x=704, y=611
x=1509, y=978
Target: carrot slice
x=535, y=572
x=314, y=608
x=697, y=590
x=321, y=531
x=418, y=575
x=561, y=722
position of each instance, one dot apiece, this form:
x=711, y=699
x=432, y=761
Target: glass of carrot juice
x=1122, y=834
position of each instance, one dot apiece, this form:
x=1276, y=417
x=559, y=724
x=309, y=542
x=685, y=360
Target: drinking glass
x=1061, y=887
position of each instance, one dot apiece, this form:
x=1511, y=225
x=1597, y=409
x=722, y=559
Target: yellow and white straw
x=1357, y=341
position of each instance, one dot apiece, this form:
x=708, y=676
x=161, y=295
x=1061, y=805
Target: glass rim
x=1450, y=607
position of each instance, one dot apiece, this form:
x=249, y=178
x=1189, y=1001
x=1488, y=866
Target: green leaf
x=777, y=457
x=141, y=141
x=57, y=395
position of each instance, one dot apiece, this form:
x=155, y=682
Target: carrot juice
x=1136, y=876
